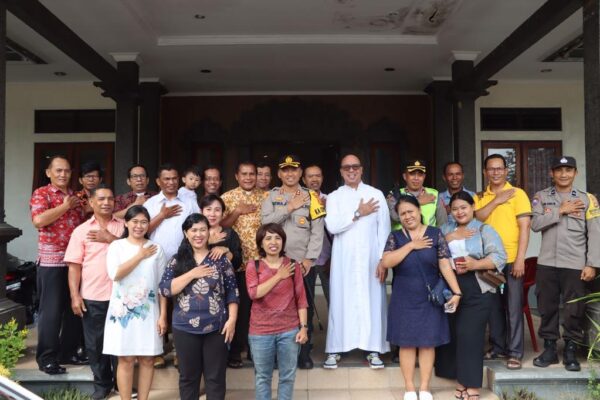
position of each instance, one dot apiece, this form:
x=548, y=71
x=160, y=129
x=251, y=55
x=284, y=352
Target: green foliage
x=12, y=344
x=68, y=393
x=519, y=394
x=593, y=385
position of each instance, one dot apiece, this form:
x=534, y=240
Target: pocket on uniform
x=575, y=224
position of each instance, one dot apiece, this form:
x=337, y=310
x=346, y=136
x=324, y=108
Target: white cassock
x=358, y=304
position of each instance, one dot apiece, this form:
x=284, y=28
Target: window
x=528, y=162
x=77, y=154
x=386, y=165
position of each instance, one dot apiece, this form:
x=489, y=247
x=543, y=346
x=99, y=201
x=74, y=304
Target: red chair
x=528, y=282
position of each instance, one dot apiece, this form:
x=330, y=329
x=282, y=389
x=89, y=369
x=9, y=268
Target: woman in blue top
x=413, y=321
x=475, y=247
x=204, y=311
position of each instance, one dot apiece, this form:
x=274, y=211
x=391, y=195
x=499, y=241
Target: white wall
x=566, y=95
x=22, y=99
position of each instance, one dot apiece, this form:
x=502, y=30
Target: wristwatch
x=303, y=326
x=356, y=214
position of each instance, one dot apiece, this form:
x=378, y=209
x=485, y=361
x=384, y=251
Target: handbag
x=440, y=293
x=492, y=277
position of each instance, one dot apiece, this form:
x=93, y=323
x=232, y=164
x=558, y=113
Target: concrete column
x=149, y=133
x=126, y=143
x=464, y=121
x=8, y=309
x=591, y=84
x=443, y=127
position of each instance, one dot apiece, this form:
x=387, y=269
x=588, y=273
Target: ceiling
x=308, y=46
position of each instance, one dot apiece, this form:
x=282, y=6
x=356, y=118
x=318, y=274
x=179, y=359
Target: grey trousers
x=506, y=319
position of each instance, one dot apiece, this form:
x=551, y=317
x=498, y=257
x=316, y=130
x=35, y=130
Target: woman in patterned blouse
x=204, y=311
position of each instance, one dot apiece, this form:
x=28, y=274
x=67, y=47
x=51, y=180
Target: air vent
x=18, y=54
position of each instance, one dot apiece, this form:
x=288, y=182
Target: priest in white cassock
x=359, y=219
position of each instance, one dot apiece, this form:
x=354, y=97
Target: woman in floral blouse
x=134, y=322
x=204, y=311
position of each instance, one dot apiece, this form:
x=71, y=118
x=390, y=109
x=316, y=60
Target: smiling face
x=496, y=172
x=462, y=211
x=197, y=235
x=454, y=177
x=167, y=181
x=138, y=179
x=212, y=181
x=191, y=181
x=214, y=213
x=289, y=176
x=246, y=176
x=263, y=177
x=313, y=178
x=137, y=226
x=351, y=170
x=59, y=173
x=414, y=180
x=103, y=202
x=272, y=244
x=410, y=216
x=563, y=177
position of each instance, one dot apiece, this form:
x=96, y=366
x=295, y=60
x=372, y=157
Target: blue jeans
x=264, y=348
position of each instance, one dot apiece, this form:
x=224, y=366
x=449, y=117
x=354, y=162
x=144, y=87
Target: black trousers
x=551, y=284
x=59, y=330
x=506, y=319
x=201, y=355
x=462, y=358
x=310, y=281
x=242, y=324
x=103, y=366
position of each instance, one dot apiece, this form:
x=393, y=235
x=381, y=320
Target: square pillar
x=443, y=126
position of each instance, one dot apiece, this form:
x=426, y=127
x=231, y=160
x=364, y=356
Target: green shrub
x=68, y=393
x=12, y=345
x=519, y=394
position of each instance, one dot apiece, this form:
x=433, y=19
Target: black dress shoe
x=53, y=369
x=75, y=360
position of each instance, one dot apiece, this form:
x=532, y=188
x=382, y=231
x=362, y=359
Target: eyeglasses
x=91, y=177
x=351, y=167
x=136, y=177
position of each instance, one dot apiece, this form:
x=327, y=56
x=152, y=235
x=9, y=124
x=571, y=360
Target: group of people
x=235, y=273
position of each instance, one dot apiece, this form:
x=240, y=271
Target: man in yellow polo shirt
x=508, y=210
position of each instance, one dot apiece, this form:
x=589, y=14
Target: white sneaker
x=410, y=396
x=423, y=395
x=374, y=361
x=332, y=361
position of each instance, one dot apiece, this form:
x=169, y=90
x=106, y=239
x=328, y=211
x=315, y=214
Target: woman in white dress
x=137, y=314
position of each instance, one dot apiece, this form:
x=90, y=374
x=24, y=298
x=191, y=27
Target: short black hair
x=263, y=164
x=491, y=157
x=136, y=166
x=449, y=163
x=311, y=166
x=54, y=157
x=210, y=166
x=262, y=232
x=192, y=169
x=209, y=199
x=247, y=162
x=166, y=167
x=347, y=155
x=100, y=187
x=90, y=166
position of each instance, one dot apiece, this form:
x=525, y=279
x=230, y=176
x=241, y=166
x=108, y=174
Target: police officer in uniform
x=290, y=206
x=432, y=208
x=569, y=220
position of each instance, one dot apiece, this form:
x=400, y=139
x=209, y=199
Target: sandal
x=461, y=393
x=513, y=363
x=235, y=364
x=475, y=396
x=490, y=355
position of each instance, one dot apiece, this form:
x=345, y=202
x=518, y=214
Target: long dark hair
x=185, y=254
x=408, y=198
x=132, y=212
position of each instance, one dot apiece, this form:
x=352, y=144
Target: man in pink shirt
x=90, y=285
